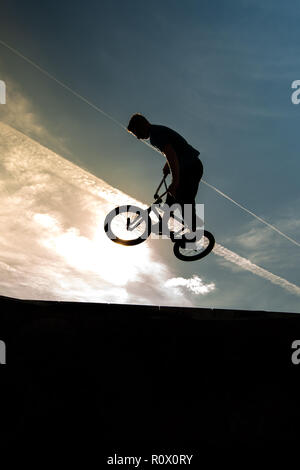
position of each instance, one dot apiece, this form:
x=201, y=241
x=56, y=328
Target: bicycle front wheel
x=128, y=225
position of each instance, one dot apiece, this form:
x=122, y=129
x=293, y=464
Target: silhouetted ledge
x=143, y=373
x=134, y=309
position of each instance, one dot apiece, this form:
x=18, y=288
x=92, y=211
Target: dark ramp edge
x=145, y=375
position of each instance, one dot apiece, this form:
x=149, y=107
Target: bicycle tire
x=123, y=209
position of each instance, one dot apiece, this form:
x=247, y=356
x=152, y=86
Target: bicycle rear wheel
x=127, y=225
x=201, y=249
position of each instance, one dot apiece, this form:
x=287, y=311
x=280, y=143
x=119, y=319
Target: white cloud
x=194, y=284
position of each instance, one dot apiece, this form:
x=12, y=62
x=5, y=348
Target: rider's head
x=139, y=126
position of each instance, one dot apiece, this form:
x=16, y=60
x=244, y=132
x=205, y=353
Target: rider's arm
x=172, y=158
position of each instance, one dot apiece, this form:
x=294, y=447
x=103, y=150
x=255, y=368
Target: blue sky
x=219, y=73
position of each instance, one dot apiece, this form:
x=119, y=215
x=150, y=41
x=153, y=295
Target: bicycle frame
x=158, y=199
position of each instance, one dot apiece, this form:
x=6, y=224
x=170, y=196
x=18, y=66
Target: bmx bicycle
x=130, y=225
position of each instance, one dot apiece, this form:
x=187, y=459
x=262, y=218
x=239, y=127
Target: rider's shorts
x=188, y=185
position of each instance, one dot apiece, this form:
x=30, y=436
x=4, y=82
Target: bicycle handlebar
x=163, y=179
x=156, y=195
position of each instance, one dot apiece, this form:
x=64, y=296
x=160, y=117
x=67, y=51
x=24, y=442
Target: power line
x=252, y=213
x=15, y=51
x=61, y=83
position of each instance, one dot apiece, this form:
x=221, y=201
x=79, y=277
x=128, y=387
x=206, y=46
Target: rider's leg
x=190, y=189
x=187, y=191
x=193, y=218
x=189, y=207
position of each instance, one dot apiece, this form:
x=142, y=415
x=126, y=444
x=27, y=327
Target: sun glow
x=96, y=255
